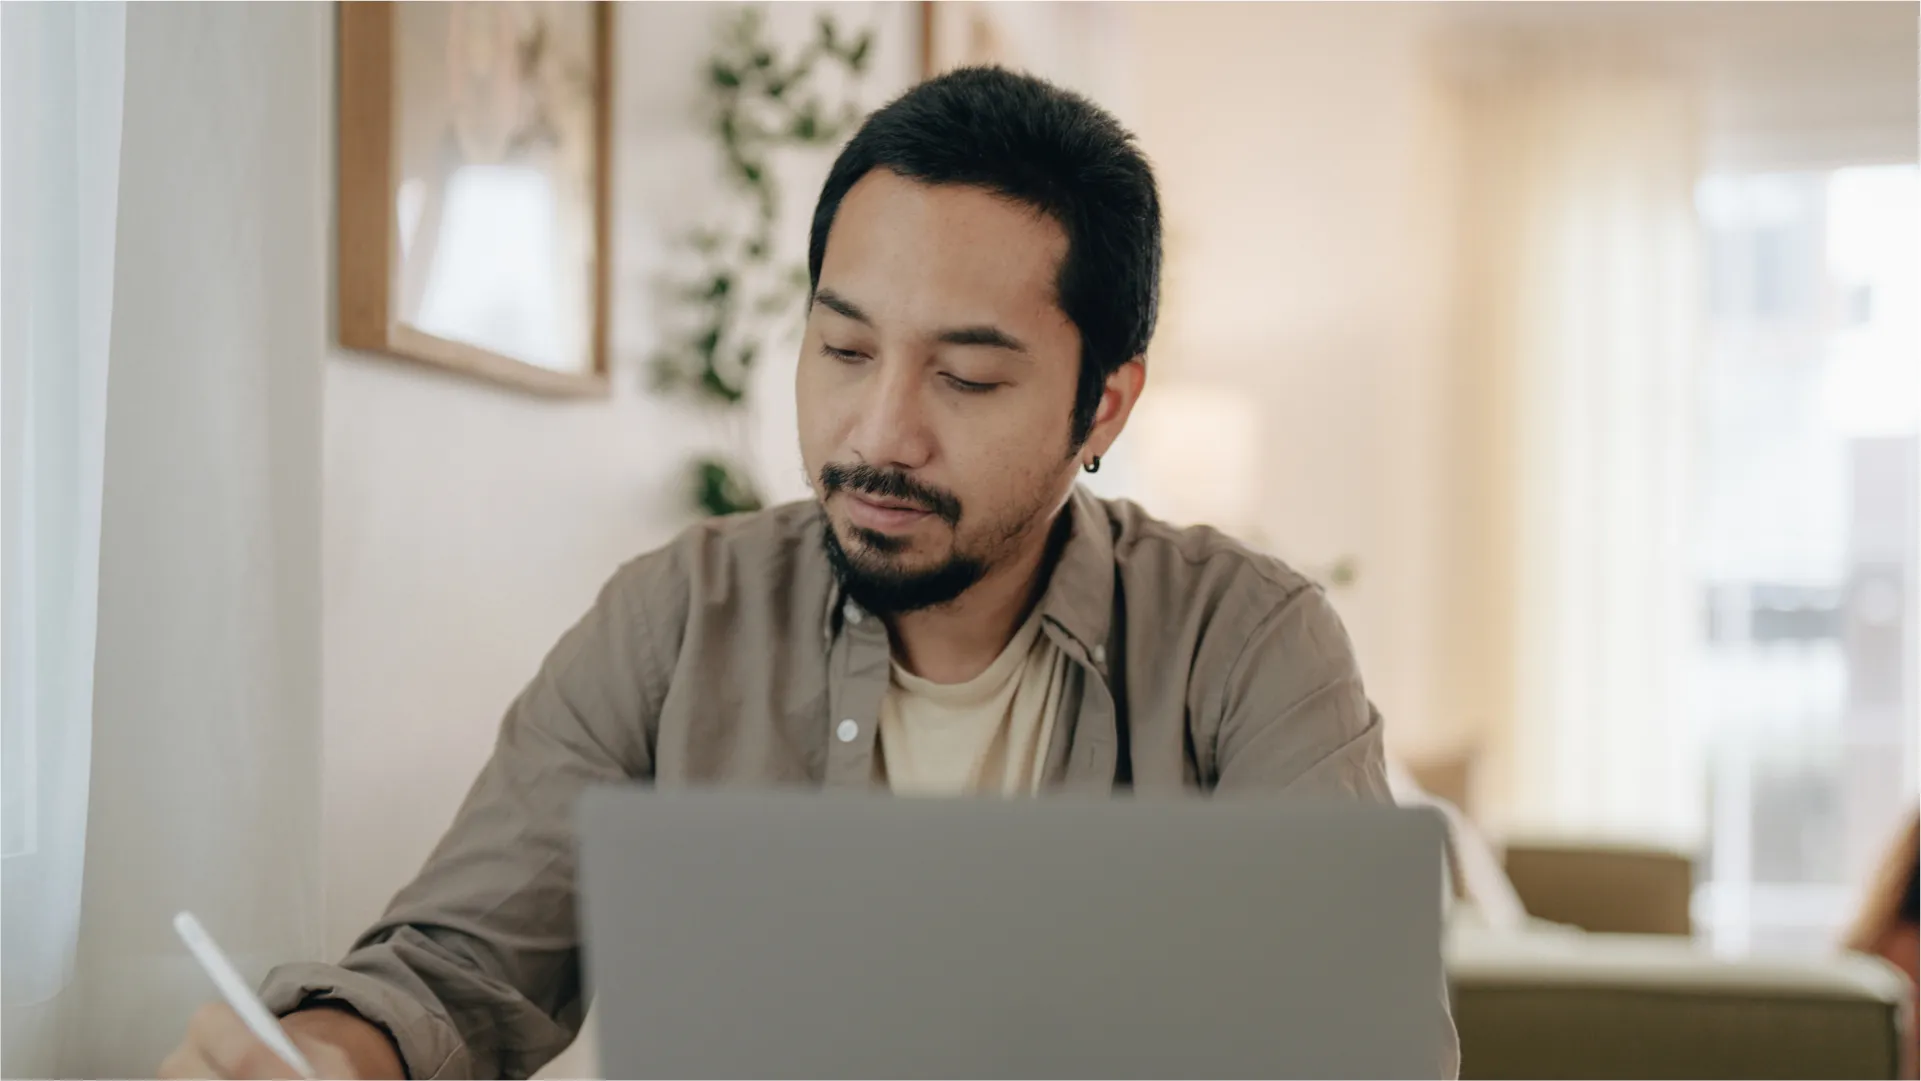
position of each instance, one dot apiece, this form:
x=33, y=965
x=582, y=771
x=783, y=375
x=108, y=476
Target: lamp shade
x=1196, y=448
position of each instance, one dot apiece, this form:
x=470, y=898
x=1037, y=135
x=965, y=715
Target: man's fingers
x=221, y=1038
x=185, y=1062
x=327, y=1060
x=230, y=1048
x=259, y=1062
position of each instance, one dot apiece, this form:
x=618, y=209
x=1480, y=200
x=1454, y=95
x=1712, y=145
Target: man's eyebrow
x=991, y=337
x=984, y=335
x=840, y=305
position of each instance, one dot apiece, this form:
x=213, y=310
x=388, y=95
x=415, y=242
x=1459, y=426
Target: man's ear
x=1122, y=390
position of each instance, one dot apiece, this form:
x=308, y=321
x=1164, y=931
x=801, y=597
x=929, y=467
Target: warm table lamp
x=1196, y=448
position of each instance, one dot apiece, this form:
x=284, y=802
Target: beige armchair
x=1613, y=889
x=1606, y=982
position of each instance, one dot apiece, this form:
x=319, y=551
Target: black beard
x=889, y=592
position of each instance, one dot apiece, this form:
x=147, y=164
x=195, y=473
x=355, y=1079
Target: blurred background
x=1572, y=345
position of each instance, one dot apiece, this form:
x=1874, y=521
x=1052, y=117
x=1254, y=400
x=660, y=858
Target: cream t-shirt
x=987, y=736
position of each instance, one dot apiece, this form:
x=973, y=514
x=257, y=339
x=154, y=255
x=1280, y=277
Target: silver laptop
x=813, y=935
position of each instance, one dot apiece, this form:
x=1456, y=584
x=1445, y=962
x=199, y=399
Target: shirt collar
x=1080, y=594
x=1080, y=590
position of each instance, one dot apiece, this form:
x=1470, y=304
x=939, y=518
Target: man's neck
x=955, y=642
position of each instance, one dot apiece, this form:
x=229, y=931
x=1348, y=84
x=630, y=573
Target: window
x=1805, y=559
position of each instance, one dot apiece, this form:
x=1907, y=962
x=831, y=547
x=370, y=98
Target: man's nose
x=890, y=425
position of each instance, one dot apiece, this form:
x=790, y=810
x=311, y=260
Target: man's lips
x=883, y=514
x=888, y=504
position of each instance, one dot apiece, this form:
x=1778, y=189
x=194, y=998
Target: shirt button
x=1100, y=654
x=847, y=730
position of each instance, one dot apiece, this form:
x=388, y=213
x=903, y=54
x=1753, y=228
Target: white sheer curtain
x=201, y=785
x=1582, y=285
x=61, y=73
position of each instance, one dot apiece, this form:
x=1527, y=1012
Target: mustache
x=890, y=484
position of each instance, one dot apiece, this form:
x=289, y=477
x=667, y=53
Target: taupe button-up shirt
x=729, y=658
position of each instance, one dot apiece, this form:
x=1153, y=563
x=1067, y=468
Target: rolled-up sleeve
x=1294, y=715
x=1295, y=718
x=474, y=970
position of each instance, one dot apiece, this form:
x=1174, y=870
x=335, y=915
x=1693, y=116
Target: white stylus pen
x=238, y=994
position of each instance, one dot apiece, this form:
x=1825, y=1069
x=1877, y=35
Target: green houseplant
x=738, y=296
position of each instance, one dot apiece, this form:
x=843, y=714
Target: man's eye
x=847, y=355
x=967, y=386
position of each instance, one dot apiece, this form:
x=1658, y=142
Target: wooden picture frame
x=962, y=33
x=482, y=116
x=1062, y=41
x=928, y=16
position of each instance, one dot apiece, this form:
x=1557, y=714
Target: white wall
x=1798, y=85
x=466, y=526
x=1303, y=162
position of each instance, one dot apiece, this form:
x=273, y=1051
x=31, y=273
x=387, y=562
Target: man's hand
x=338, y=1043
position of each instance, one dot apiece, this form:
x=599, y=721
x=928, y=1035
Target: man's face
x=935, y=387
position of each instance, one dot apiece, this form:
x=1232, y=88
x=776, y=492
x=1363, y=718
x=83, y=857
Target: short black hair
x=1033, y=142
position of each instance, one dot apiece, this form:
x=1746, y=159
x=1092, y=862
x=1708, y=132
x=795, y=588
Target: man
x=949, y=615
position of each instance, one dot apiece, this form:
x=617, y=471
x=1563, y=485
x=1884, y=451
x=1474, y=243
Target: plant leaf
x=713, y=383
x=663, y=372
x=721, y=488
x=806, y=126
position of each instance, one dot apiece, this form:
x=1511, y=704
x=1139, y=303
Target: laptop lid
x=736, y=934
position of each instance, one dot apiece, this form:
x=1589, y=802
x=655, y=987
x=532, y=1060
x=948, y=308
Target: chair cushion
x=1557, y=1002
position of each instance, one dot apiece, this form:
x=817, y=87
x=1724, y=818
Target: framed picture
x=1025, y=36
x=474, y=176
